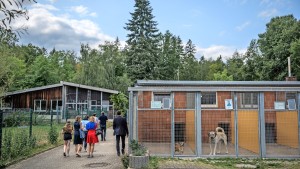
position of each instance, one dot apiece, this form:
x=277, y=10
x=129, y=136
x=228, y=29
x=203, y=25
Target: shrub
x=53, y=135
x=125, y=161
x=6, y=145
x=137, y=149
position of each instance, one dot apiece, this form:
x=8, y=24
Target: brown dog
x=179, y=147
x=215, y=137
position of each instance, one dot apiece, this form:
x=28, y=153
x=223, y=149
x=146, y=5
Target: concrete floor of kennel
x=272, y=150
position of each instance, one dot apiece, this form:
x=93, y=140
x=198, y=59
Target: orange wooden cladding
x=26, y=100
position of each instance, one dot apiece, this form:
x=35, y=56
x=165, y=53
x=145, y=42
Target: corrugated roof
x=243, y=86
x=62, y=83
x=216, y=83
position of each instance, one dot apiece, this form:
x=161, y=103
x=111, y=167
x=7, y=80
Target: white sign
x=279, y=105
x=156, y=105
x=228, y=104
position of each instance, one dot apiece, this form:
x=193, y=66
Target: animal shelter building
x=64, y=100
x=174, y=118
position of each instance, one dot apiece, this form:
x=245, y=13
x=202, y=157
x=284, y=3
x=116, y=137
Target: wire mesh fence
x=23, y=130
x=233, y=124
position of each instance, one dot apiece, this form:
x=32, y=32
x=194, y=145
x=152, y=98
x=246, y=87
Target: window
x=248, y=100
x=56, y=105
x=40, y=105
x=208, y=99
x=164, y=99
x=291, y=99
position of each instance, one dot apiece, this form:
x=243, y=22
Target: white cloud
x=243, y=26
x=52, y=1
x=45, y=29
x=82, y=10
x=215, y=51
x=268, y=13
x=93, y=14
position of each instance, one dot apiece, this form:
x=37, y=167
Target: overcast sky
x=216, y=27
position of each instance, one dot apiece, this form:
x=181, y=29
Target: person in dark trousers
x=103, y=119
x=120, y=131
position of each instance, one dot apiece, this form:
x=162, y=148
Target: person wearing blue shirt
x=84, y=122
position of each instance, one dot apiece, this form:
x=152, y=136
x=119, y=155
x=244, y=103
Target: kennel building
x=260, y=118
x=65, y=100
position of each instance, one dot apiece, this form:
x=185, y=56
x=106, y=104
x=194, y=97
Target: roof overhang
x=62, y=83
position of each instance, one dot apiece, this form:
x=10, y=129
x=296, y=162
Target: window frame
x=57, y=104
x=168, y=94
x=40, y=105
x=251, y=104
x=210, y=105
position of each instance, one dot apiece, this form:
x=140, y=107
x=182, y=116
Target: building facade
x=259, y=118
x=64, y=100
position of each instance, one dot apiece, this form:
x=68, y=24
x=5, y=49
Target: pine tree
x=142, y=50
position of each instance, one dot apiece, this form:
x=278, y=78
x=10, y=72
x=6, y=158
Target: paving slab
x=105, y=157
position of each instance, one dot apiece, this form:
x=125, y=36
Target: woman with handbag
x=92, y=137
x=77, y=139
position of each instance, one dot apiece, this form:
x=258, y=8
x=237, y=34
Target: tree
x=142, y=44
x=189, y=64
x=275, y=45
x=234, y=66
x=169, y=60
x=120, y=102
x=252, y=68
x=223, y=76
x=295, y=58
x=216, y=66
x=11, y=10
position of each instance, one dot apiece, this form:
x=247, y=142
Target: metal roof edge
x=32, y=89
x=59, y=85
x=89, y=87
x=215, y=83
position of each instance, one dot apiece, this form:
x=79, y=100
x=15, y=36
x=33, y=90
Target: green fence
x=23, y=130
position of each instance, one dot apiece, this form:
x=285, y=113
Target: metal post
x=172, y=126
x=261, y=125
x=198, y=122
x=130, y=116
x=51, y=115
x=236, y=135
x=1, y=120
x=30, y=123
x=298, y=95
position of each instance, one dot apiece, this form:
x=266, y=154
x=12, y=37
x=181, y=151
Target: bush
x=125, y=161
x=137, y=149
x=53, y=135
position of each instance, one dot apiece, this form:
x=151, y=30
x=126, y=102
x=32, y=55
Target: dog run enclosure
x=260, y=118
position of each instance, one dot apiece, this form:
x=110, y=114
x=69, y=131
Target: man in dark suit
x=120, y=130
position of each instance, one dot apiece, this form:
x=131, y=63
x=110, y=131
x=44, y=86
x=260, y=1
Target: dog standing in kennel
x=214, y=138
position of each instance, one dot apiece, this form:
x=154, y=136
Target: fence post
x=1, y=120
x=30, y=123
x=51, y=115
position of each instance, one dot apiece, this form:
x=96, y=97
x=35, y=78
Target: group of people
x=85, y=133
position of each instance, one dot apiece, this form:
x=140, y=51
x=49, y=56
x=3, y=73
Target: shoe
x=123, y=152
x=77, y=155
x=104, y=139
x=92, y=156
x=118, y=154
x=64, y=154
x=88, y=156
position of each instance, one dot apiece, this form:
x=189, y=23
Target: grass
x=224, y=163
x=40, y=132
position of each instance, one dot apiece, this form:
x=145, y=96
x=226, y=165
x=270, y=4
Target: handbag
x=82, y=134
x=98, y=132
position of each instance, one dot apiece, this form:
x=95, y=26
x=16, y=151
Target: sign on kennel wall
x=228, y=104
